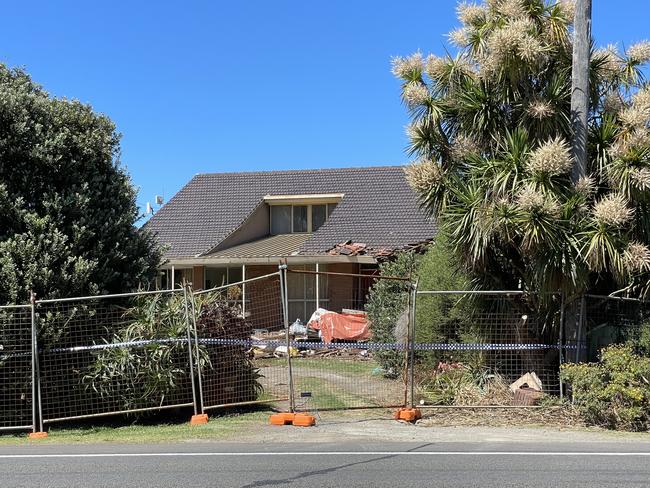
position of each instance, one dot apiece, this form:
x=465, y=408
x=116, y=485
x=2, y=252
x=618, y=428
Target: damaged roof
x=378, y=209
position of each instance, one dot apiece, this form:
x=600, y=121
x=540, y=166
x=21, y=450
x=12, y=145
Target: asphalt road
x=394, y=465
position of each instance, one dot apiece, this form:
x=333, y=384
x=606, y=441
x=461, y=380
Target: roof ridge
x=303, y=170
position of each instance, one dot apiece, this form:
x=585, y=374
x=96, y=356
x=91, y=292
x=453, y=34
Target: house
x=222, y=228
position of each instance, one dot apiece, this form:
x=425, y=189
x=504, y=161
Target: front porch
x=328, y=284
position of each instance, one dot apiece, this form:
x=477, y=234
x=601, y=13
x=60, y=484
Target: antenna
x=159, y=200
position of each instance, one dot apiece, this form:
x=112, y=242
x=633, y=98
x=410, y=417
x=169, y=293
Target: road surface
x=367, y=465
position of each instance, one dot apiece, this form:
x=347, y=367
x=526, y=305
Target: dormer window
x=292, y=214
x=293, y=219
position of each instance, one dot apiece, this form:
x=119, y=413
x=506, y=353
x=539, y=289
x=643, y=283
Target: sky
x=210, y=86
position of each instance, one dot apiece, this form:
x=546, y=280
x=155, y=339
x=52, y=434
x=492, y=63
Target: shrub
x=388, y=303
x=615, y=392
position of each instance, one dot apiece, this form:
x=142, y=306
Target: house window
x=287, y=219
x=301, y=293
x=300, y=218
x=215, y=277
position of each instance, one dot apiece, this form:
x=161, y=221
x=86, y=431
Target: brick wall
x=263, y=304
x=341, y=289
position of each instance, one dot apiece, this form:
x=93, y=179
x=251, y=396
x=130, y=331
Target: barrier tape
x=249, y=343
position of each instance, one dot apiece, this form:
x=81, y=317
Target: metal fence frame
x=194, y=342
x=559, y=345
x=40, y=419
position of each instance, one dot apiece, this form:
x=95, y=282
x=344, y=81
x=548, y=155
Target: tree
x=490, y=130
x=67, y=208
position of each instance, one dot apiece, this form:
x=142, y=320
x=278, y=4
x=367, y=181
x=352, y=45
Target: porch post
x=173, y=279
x=243, y=290
x=317, y=286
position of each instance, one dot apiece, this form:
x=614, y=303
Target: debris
x=525, y=397
x=530, y=380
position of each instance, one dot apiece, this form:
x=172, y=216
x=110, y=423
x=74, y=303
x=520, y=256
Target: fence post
x=560, y=343
x=189, y=348
x=285, y=313
x=199, y=372
x=37, y=408
x=413, y=294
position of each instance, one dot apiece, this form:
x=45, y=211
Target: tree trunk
x=580, y=86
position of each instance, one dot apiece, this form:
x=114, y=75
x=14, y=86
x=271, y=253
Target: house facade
x=223, y=228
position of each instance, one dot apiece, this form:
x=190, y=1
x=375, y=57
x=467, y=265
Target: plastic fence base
x=200, y=419
x=296, y=419
x=37, y=435
x=408, y=414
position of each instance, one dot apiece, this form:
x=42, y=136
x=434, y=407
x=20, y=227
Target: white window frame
x=309, y=206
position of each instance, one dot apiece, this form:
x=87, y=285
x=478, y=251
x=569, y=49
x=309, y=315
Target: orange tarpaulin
x=342, y=326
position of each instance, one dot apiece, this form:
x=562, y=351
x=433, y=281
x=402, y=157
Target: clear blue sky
x=232, y=85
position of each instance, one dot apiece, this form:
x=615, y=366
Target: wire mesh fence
x=113, y=354
x=16, y=367
x=241, y=328
x=339, y=359
x=468, y=348
x=239, y=345
x=610, y=320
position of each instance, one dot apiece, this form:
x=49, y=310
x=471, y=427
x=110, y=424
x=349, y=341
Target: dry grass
x=554, y=417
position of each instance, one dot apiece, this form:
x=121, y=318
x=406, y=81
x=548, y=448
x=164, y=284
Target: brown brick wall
x=341, y=289
x=263, y=305
x=198, y=278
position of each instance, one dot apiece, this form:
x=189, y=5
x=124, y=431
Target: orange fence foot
x=285, y=418
x=297, y=419
x=304, y=420
x=37, y=435
x=200, y=419
x=408, y=414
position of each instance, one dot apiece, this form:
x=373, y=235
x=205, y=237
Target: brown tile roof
x=282, y=245
x=379, y=208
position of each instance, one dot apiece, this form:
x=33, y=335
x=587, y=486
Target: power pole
x=580, y=86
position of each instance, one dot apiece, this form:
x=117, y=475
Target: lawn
x=219, y=427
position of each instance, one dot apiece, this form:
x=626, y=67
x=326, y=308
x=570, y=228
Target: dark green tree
x=67, y=207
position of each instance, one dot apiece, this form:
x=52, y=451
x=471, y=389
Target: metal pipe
x=119, y=412
x=317, y=286
x=252, y=402
x=32, y=299
x=16, y=427
x=560, y=343
x=463, y=407
x=471, y=292
x=285, y=310
x=189, y=349
x=115, y=295
x=414, y=326
x=13, y=306
x=374, y=277
x=198, y=356
x=243, y=291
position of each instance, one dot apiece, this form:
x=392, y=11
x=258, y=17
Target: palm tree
x=489, y=132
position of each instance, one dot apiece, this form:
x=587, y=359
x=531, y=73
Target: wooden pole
x=580, y=86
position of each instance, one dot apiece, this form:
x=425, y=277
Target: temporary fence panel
x=240, y=328
x=610, y=320
x=114, y=354
x=16, y=367
x=469, y=347
x=332, y=368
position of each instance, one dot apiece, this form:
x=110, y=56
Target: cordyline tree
x=67, y=208
x=490, y=132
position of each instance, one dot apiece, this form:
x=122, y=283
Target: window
x=281, y=219
x=301, y=291
x=300, y=218
x=215, y=277
x=287, y=219
x=318, y=215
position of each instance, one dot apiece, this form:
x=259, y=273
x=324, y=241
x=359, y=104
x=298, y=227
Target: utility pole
x=580, y=86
